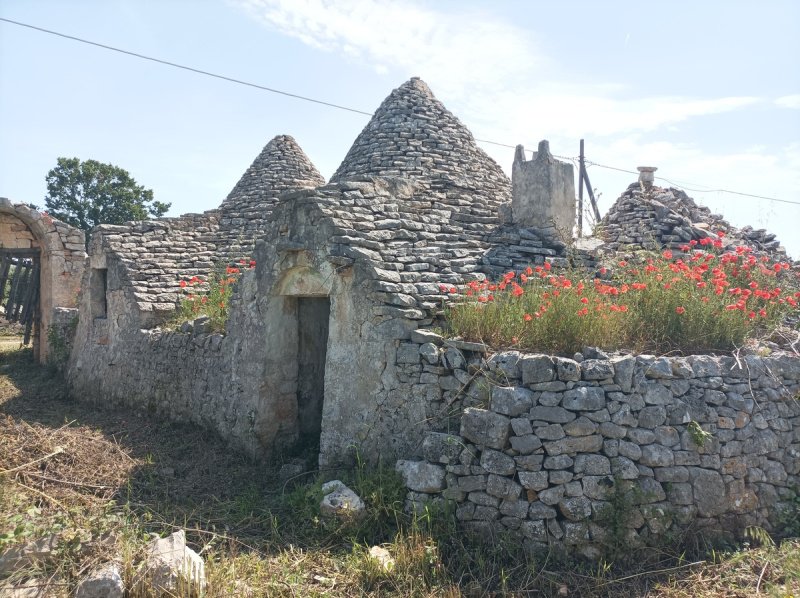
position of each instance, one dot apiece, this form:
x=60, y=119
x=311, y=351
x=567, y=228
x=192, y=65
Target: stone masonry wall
x=537, y=446
x=15, y=234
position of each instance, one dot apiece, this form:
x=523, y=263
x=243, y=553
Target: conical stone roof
x=281, y=166
x=412, y=134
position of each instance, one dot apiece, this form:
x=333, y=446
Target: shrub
x=210, y=298
x=700, y=301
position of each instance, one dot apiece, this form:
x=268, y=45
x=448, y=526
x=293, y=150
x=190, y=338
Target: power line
x=707, y=190
x=188, y=68
x=347, y=108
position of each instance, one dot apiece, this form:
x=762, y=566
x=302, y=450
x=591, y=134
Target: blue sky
x=707, y=91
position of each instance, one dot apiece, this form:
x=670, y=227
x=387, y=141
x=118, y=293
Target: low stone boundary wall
x=622, y=450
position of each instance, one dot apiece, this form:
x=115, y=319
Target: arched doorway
x=43, y=261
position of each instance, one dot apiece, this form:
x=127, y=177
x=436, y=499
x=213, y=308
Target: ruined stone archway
x=61, y=254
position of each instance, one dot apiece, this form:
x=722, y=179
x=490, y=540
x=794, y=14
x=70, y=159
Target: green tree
x=85, y=194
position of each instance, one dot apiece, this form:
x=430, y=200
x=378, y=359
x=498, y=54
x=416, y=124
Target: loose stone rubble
x=103, y=582
x=657, y=218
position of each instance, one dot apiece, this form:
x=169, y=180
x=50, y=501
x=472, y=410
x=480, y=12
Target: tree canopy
x=85, y=194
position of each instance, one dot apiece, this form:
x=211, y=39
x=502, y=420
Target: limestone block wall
x=209, y=379
x=537, y=446
x=15, y=234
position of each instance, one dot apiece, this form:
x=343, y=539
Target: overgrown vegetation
x=210, y=298
x=99, y=484
x=651, y=303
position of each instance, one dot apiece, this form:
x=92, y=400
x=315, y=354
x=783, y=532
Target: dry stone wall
x=152, y=257
x=540, y=446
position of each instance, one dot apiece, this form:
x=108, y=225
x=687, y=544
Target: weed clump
x=702, y=301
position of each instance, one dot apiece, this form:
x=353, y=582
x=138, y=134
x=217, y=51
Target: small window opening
x=98, y=289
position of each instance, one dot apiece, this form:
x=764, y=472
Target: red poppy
x=680, y=310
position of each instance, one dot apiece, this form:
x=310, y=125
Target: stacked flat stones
x=155, y=255
x=668, y=218
x=413, y=135
x=281, y=166
x=538, y=446
x=416, y=204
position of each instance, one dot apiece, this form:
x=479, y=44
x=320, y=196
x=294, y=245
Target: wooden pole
x=591, y=196
x=580, y=192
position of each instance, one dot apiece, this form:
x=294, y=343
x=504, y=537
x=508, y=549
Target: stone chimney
x=543, y=191
x=646, y=176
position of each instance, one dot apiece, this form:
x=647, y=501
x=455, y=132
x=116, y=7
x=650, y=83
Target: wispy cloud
x=478, y=63
x=792, y=101
x=457, y=50
x=498, y=79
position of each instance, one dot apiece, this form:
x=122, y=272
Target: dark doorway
x=313, y=314
x=19, y=288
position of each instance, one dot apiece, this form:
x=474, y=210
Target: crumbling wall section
x=545, y=447
x=655, y=218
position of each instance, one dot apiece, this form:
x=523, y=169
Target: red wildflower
x=547, y=266
x=584, y=300
x=527, y=317
x=680, y=310
x=183, y=284
x=667, y=255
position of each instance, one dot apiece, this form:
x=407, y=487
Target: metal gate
x=19, y=287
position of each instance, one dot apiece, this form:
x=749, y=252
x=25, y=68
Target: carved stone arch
x=62, y=255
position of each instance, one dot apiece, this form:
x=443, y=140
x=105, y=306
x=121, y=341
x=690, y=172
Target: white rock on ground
x=340, y=501
x=169, y=563
x=380, y=554
x=103, y=582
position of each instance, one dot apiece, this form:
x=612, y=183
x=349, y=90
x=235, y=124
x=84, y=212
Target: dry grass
x=100, y=482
